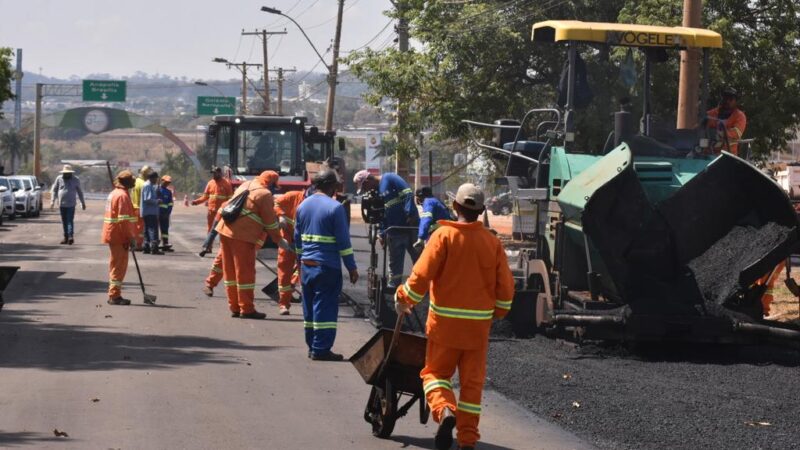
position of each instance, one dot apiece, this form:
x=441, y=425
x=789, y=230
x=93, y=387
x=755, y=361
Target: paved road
x=183, y=374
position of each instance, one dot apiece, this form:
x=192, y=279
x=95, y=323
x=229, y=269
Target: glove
x=402, y=308
x=83, y=206
x=284, y=224
x=284, y=244
x=419, y=245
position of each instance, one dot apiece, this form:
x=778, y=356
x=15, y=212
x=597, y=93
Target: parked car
x=500, y=204
x=32, y=186
x=22, y=198
x=8, y=199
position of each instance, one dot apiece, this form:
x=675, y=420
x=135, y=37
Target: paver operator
x=400, y=211
x=242, y=238
x=119, y=232
x=286, y=209
x=67, y=190
x=322, y=240
x=729, y=121
x=433, y=210
x=465, y=268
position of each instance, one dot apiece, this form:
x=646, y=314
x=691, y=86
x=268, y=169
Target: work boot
x=253, y=315
x=444, y=435
x=156, y=251
x=146, y=250
x=70, y=241
x=64, y=241
x=208, y=291
x=328, y=356
x=283, y=311
x=235, y=314
x=119, y=301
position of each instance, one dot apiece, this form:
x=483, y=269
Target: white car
x=33, y=187
x=22, y=198
x=8, y=199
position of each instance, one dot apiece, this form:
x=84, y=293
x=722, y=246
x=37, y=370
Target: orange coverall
x=216, y=193
x=119, y=227
x=286, y=208
x=733, y=131
x=241, y=240
x=466, y=270
x=770, y=280
x=215, y=274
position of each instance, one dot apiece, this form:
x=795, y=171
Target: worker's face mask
x=66, y=176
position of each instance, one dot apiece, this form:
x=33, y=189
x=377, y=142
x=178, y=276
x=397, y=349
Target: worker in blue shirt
x=322, y=242
x=433, y=211
x=400, y=220
x=165, y=211
x=148, y=208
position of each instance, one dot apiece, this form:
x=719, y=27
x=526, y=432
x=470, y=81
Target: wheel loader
x=654, y=237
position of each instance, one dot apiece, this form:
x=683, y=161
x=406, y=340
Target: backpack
x=233, y=209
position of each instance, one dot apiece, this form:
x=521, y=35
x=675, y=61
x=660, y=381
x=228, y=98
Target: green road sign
x=212, y=106
x=103, y=91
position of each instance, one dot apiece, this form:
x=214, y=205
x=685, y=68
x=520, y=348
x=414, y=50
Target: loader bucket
x=663, y=256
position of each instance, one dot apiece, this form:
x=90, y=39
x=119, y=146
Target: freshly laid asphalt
x=183, y=374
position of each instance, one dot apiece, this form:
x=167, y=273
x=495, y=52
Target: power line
x=353, y=3
x=374, y=37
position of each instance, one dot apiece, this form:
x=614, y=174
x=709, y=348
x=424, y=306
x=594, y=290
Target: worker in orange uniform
x=286, y=209
x=119, y=232
x=215, y=274
x=217, y=192
x=729, y=121
x=242, y=238
x=136, y=198
x=466, y=270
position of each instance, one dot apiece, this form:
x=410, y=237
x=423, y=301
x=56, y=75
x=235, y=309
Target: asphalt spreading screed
x=717, y=270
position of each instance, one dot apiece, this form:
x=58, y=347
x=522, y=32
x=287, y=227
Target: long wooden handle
x=395, y=337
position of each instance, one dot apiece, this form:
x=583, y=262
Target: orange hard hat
x=166, y=179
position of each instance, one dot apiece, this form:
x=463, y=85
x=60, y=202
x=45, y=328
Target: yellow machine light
x=628, y=35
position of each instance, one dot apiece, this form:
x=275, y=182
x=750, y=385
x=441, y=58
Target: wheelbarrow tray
x=404, y=365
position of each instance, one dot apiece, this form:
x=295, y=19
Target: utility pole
x=18, y=92
x=37, y=134
x=690, y=69
x=280, y=79
x=334, y=69
x=403, y=140
x=242, y=67
x=264, y=35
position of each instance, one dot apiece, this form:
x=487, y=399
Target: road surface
x=183, y=374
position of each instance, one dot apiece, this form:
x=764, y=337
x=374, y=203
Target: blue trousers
x=321, y=289
x=151, y=231
x=399, y=242
x=68, y=220
x=163, y=223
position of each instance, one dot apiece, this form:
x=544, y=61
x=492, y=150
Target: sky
x=61, y=38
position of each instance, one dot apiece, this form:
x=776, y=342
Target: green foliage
x=15, y=147
x=184, y=175
x=475, y=60
x=205, y=156
x=6, y=74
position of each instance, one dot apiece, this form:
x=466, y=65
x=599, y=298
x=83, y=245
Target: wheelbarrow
x=391, y=362
x=6, y=274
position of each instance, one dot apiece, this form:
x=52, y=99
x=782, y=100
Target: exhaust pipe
x=754, y=328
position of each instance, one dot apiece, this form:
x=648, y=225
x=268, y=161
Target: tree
x=184, y=175
x=6, y=75
x=16, y=146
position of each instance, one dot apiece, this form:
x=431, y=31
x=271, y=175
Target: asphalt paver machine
x=653, y=238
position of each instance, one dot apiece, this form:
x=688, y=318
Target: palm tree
x=15, y=145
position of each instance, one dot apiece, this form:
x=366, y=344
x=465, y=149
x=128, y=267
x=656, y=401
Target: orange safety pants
x=286, y=276
x=215, y=274
x=441, y=362
x=139, y=228
x=117, y=267
x=239, y=273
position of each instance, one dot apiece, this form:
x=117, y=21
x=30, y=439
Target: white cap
x=359, y=178
x=470, y=196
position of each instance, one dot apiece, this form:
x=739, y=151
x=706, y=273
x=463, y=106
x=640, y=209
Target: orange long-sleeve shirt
x=216, y=193
x=286, y=206
x=119, y=221
x=733, y=129
x=466, y=270
x=257, y=219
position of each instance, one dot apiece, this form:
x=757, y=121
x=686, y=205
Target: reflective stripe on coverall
x=466, y=270
x=286, y=208
x=119, y=227
x=241, y=239
x=216, y=193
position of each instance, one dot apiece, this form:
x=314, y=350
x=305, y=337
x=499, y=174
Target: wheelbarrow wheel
x=385, y=408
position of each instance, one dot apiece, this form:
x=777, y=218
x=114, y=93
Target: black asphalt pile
x=682, y=398
x=717, y=270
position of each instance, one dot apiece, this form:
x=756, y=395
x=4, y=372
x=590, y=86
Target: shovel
x=395, y=336
x=148, y=298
